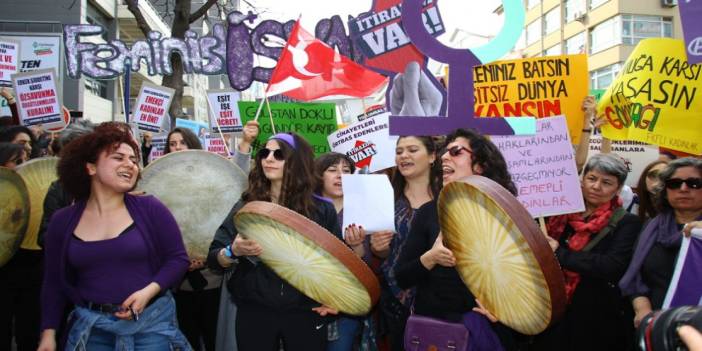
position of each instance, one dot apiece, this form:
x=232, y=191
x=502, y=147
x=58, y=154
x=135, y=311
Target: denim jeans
x=156, y=329
x=348, y=329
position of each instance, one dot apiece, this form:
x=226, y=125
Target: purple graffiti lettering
x=239, y=52
x=258, y=44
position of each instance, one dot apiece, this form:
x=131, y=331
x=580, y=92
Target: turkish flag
x=309, y=69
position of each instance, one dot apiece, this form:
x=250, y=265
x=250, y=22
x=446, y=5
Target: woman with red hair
x=111, y=254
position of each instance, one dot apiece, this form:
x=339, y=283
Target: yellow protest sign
x=536, y=87
x=655, y=98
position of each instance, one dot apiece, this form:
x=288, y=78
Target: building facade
x=606, y=30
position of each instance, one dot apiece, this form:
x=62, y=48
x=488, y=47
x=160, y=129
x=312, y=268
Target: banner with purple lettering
x=685, y=288
x=543, y=168
x=690, y=14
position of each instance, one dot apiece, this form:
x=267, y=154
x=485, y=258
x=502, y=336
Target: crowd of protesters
x=109, y=269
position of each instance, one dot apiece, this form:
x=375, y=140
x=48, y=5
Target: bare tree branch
x=133, y=7
x=201, y=11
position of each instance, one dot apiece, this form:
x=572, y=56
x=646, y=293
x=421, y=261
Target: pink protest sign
x=543, y=168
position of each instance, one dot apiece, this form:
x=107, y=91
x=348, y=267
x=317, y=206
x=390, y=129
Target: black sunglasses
x=676, y=183
x=277, y=154
x=456, y=150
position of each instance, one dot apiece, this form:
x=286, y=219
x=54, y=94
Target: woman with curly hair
x=428, y=266
x=270, y=310
x=112, y=255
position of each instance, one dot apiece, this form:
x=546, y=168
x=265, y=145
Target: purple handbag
x=429, y=334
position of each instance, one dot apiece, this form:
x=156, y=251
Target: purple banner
x=690, y=14
x=685, y=288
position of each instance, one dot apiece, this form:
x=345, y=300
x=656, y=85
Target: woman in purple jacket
x=112, y=255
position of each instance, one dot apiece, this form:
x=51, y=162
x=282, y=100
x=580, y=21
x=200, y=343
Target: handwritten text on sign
x=9, y=57
x=224, y=111
x=543, y=168
x=152, y=106
x=37, y=98
x=536, y=87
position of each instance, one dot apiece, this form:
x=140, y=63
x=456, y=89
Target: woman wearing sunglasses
x=651, y=269
x=270, y=310
x=427, y=265
x=646, y=190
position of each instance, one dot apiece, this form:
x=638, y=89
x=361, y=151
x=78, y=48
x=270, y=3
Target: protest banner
x=9, y=60
x=152, y=106
x=214, y=143
x=537, y=87
x=368, y=143
x=313, y=121
x=158, y=146
x=38, y=100
x=543, y=168
x=690, y=14
x=684, y=288
x=636, y=154
x=224, y=111
x=654, y=98
x=197, y=127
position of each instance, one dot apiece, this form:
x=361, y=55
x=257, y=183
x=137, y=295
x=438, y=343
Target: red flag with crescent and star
x=309, y=69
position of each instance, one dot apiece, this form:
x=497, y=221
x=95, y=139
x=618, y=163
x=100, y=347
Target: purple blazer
x=168, y=258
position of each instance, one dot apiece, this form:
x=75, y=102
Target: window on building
x=552, y=20
x=532, y=3
x=606, y=35
x=533, y=32
x=603, y=77
x=553, y=51
x=596, y=3
x=96, y=87
x=635, y=28
x=575, y=44
x=573, y=8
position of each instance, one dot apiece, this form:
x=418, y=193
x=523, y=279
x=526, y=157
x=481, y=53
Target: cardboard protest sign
x=38, y=99
x=224, y=111
x=636, y=154
x=368, y=143
x=537, y=87
x=543, y=168
x=690, y=14
x=312, y=121
x=215, y=144
x=684, y=288
x=655, y=98
x=158, y=146
x=9, y=60
x=152, y=106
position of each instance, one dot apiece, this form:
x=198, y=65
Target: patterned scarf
x=585, y=229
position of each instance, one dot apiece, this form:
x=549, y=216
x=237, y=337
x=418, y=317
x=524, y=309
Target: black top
x=598, y=317
x=657, y=272
x=440, y=291
x=253, y=283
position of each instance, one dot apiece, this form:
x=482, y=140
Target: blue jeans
x=348, y=329
x=101, y=340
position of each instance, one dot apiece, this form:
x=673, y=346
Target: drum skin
x=199, y=188
x=14, y=213
x=501, y=254
x=38, y=174
x=309, y=257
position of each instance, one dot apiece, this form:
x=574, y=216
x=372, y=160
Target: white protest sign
x=9, y=60
x=152, y=106
x=37, y=98
x=636, y=154
x=224, y=111
x=158, y=146
x=368, y=143
x=214, y=143
x=369, y=201
x=543, y=168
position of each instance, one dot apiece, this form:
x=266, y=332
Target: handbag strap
x=613, y=221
